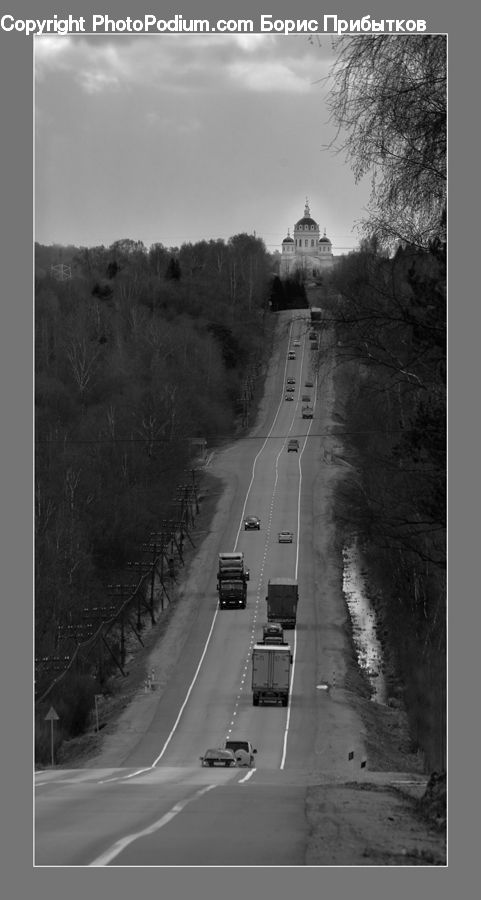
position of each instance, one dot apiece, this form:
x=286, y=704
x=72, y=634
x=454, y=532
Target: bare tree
x=388, y=101
x=82, y=359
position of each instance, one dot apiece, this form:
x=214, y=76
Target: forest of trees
x=136, y=352
x=387, y=304
x=139, y=350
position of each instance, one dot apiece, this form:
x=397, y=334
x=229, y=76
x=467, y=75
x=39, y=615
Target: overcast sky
x=179, y=138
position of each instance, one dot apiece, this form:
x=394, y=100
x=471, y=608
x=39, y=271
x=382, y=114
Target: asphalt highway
x=161, y=808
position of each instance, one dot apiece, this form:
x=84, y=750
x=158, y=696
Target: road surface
x=161, y=808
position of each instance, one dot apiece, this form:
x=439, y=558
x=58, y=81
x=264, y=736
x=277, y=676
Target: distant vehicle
x=308, y=384
x=285, y=537
x=218, y=757
x=291, y=355
x=296, y=343
x=243, y=750
x=306, y=398
x=291, y=381
x=272, y=633
x=252, y=522
x=307, y=412
x=313, y=336
x=293, y=446
x=290, y=389
x=289, y=397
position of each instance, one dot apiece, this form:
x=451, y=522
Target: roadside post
x=51, y=717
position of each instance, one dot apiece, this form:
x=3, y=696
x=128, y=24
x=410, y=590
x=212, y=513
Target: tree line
x=387, y=306
x=137, y=352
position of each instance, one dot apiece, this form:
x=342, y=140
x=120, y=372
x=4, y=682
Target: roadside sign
x=51, y=717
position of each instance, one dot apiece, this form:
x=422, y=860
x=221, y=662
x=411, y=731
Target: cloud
x=178, y=63
x=173, y=125
x=251, y=43
x=268, y=76
x=51, y=53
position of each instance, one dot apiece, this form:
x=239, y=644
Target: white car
x=243, y=750
x=285, y=537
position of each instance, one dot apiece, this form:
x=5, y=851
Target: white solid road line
x=159, y=757
x=120, y=845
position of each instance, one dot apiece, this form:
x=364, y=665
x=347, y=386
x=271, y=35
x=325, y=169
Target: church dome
x=306, y=223
x=324, y=240
x=288, y=240
x=306, y=220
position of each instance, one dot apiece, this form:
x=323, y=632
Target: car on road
x=296, y=343
x=290, y=389
x=307, y=412
x=272, y=633
x=252, y=522
x=243, y=750
x=217, y=756
x=306, y=398
x=291, y=355
x=293, y=446
x=289, y=397
x=313, y=336
x=308, y=384
x=291, y=381
x=285, y=537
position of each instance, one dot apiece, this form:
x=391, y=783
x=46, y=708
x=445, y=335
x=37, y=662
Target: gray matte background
x=16, y=385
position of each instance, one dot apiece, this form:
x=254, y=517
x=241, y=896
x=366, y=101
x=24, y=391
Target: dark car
x=293, y=446
x=218, y=757
x=289, y=397
x=309, y=383
x=290, y=389
x=252, y=522
x=291, y=381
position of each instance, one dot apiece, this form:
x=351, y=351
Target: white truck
x=271, y=673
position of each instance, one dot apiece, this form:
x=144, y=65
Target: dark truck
x=232, y=578
x=282, y=599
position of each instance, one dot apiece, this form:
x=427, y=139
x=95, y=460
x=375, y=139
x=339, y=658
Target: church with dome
x=306, y=251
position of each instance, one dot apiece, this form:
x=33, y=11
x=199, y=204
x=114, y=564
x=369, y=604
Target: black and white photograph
x=239, y=510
